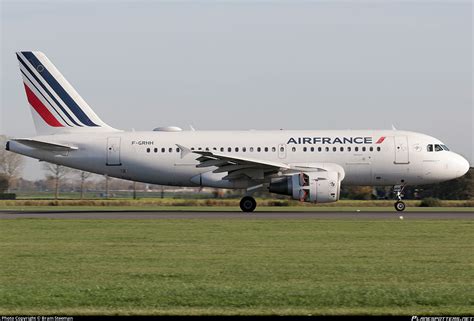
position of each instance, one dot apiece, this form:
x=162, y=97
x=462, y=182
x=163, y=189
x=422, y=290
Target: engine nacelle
x=316, y=187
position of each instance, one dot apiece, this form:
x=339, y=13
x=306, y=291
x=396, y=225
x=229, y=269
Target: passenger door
x=401, y=150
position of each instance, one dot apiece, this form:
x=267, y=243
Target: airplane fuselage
x=368, y=157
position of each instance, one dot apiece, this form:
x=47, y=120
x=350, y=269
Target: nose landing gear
x=399, y=204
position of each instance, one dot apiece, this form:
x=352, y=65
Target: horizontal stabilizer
x=44, y=145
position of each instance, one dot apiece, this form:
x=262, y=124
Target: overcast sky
x=251, y=64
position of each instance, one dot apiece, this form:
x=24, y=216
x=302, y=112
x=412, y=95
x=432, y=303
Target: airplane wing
x=236, y=166
x=239, y=167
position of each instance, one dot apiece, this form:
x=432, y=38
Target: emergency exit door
x=401, y=150
x=113, y=151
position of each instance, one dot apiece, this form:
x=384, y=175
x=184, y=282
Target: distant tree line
x=461, y=188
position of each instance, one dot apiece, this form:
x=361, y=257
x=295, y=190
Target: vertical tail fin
x=56, y=105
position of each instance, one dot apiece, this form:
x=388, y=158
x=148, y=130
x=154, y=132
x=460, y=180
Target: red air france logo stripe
x=381, y=139
x=41, y=109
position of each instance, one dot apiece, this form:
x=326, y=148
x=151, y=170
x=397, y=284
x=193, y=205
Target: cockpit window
x=436, y=148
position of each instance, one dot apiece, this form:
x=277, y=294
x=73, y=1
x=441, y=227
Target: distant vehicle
x=308, y=165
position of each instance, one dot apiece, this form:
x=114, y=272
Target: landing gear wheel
x=398, y=190
x=248, y=204
x=400, y=206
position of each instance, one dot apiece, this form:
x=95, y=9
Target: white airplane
x=307, y=165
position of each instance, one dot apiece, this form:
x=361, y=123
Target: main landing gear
x=399, y=204
x=248, y=204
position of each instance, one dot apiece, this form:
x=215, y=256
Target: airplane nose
x=461, y=165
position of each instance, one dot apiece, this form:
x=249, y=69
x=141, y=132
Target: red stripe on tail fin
x=41, y=109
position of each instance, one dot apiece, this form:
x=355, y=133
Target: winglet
x=184, y=150
x=393, y=127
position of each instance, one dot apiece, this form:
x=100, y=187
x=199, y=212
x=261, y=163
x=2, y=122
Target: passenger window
x=259, y=149
x=429, y=147
x=274, y=149
x=327, y=149
x=319, y=149
x=163, y=150
x=356, y=148
x=312, y=149
x=147, y=150
x=177, y=150
x=222, y=149
x=170, y=150
x=378, y=148
x=236, y=149
x=192, y=148
x=293, y=149
x=266, y=149
x=244, y=149
x=363, y=149
x=156, y=150
x=229, y=149
x=334, y=149
x=349, y=148
x=305, y=149
x=371, y=148
x=438, y=148
x=251, y=149
x=282, y=149
x=341, y=149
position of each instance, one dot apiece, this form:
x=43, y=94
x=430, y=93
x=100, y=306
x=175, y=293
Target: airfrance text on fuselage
x=330, y=140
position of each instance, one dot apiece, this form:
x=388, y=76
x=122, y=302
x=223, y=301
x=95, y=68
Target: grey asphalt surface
x=106, y=215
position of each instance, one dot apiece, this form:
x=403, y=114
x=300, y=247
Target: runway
x=153, y=215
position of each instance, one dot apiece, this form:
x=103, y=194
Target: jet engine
x=316, y=187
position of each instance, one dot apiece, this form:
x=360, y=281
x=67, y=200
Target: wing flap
x=231, y=168
x=211, y=162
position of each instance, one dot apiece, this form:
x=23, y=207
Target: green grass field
x=236, y=267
